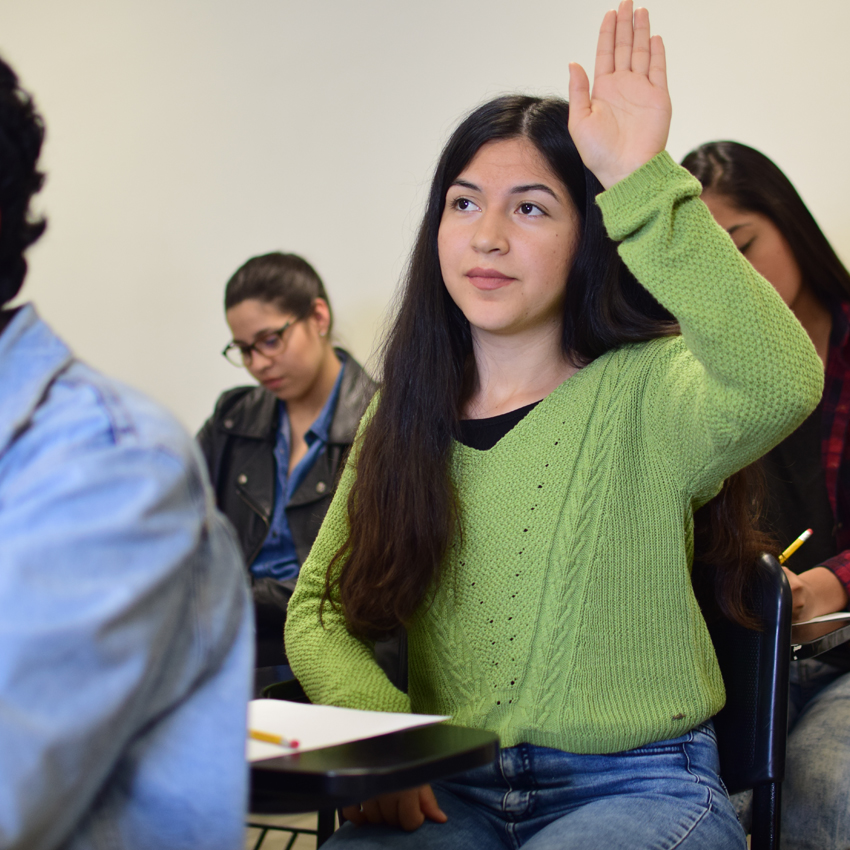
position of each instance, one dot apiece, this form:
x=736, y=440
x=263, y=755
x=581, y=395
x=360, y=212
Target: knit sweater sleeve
x=745, y=373
x=333, y=666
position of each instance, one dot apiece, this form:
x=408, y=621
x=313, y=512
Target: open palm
x=624, y=122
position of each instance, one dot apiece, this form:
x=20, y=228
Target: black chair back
x=752, y=728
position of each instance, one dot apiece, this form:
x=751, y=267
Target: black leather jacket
x=238, y=442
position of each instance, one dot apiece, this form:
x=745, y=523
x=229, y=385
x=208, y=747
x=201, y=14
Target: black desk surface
x=813, y=639
x=350, y=773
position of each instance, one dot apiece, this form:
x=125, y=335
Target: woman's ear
x=321, y=315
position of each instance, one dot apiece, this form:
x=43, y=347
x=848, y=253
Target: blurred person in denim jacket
x=125, y=623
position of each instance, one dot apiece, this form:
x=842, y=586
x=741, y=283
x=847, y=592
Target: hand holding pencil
x=814, y=592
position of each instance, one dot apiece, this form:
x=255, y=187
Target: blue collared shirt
x=277, y=558
x=126, y=629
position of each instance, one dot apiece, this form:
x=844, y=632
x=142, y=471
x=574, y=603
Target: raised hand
x=626, y=119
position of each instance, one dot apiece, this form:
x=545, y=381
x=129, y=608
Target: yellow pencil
x=795, y=546
x=271, y=738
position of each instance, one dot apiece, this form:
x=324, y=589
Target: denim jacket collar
x=31, y=356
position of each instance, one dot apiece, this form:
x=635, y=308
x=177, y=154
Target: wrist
x=826, y=591
x=610, y=178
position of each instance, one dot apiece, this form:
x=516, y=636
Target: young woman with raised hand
x=807, y=474
x=522, y=494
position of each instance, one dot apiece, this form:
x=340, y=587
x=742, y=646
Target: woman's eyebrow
x=257, y=335
x=465, y=184
x=533, y=187
x=734, y=227
x=516, y=190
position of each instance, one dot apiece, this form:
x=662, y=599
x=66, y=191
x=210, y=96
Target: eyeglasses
x=270, y=345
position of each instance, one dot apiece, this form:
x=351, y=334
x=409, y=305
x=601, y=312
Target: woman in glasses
x=274, y=450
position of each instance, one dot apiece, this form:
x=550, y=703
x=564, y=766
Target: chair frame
x=752, y=728
x=325, y=828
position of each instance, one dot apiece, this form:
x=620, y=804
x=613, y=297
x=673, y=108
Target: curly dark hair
x=21, y=136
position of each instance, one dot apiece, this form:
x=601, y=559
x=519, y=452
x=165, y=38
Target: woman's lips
x=488, y=278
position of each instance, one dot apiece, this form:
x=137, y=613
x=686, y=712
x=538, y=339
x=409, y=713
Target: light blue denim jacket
x=125, y=628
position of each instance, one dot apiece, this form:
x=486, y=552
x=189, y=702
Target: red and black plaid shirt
x=835, y=446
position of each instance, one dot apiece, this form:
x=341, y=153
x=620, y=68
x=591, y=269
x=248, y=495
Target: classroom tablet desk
x=350, y=773
x=814, y=638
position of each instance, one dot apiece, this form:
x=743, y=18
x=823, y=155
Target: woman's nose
x=490, y=234
x=259, y=362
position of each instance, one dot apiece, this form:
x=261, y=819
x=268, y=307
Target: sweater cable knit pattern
x=565, y=617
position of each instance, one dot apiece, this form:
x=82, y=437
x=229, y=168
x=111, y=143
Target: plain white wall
x=186, y=135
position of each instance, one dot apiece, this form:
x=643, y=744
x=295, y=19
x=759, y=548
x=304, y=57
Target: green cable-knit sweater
x=565, y=616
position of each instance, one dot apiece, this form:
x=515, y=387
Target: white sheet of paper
x=316, y=726
x=825, y=618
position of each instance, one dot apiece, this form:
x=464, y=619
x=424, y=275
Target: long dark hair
x=402, y=508
x=753, y=182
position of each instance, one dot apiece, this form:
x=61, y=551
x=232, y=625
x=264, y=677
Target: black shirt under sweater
x=483, y=434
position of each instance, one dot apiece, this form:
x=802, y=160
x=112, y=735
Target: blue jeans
x=661, y=796
x=815, y=808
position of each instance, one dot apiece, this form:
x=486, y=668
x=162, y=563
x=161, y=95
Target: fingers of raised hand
x=625, y=44
x=640, y=58
x=579, y=94
x=657, y=62
x=624, y=37
x=605, y=45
